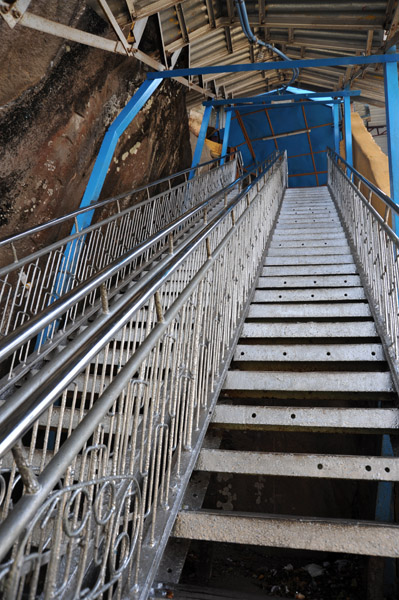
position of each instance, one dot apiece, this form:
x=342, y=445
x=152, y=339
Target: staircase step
x=310, y=243
x=297, y=270
x=309, y=329
x=326, y=466
x=309, y=352
x=309, y=311
x=310, y=235
x=368, y=420
x=309, y=281
x=302, y=533
x=305, y=250
x=308, y=382
x=309, y=260
x=309, y=295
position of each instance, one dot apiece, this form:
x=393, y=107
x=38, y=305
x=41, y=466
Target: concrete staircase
x=304, y=405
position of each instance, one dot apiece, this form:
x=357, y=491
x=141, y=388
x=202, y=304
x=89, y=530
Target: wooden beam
x=310, y=143
x=271, y=127
x=246, y=137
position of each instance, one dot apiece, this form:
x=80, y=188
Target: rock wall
x=54, y=116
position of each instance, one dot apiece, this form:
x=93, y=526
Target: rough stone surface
x=51, y=133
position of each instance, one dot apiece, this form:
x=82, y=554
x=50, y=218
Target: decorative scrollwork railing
x=110, y=442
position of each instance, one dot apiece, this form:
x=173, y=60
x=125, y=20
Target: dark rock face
x=51, y=133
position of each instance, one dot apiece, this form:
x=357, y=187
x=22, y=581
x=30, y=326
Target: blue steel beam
x=226, y=136
x=103, y=160
x=280, y=65
x=336, y=127
x=201, y=139
x=348, y=133
x=392, y=106
x=283, y=105
x=95, y=184
x=281, y=97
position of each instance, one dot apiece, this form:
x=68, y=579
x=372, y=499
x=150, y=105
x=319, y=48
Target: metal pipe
x=243, y=16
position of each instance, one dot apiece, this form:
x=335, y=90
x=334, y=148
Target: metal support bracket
x=13, y=13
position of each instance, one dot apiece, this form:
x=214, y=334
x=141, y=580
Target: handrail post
x=226, y=135
x=348, y=132
x=391, y=89
x=201, y=140
x=336, y=127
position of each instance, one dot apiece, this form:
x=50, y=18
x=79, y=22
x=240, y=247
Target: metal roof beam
x=336, y=61
x=182, y=23
x=283, y=105
x=335, y=23
x=282, y=97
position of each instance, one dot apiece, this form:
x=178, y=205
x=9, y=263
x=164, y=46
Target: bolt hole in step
x=293, y=416
x=254, y=415
x=320, y=466
x=285, y=283
x=345, y=295
x=373, y=354
x=387, y=470
x=242, y=353
x=195, y=495
x=170, y=570
x=368, y=468
x=328, y=353
x=284, y=354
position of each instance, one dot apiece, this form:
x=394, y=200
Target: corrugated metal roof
x=308, y=29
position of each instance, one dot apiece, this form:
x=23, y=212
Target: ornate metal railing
x=368, y=215
x=110, y=437
x=29, y=284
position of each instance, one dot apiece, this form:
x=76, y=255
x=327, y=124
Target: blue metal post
x=103, y=160
x=348, y=132
x=336, y=127
x=201, y=139
x=226, y=136
x=392, y=116
x=95, y=185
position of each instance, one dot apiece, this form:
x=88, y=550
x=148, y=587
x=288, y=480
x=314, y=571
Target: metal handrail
x=79, y=352
x=28, y=505
x=375, y=248
x=101, y=203
x=372, y=187
x=30, y=284
x=12, y=341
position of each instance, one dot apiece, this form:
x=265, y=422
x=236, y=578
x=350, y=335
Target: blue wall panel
x=287, y=119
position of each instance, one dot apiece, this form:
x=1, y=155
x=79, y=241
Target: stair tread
x=293, y=464
x=309, y=352
x=308, y=417
x=331, y=269
x=309, y=329
x=338, y=381
x=308, y=281
x=309, y=260
x=310, y=533
x=309, y=294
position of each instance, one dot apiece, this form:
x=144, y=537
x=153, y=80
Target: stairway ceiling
x=309, y=29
